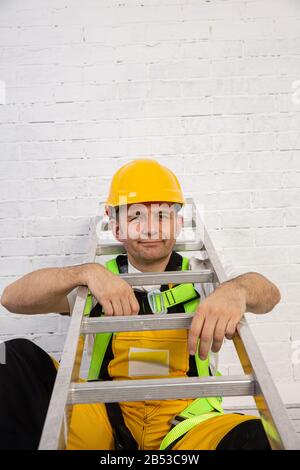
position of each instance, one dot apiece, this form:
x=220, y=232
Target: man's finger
x=230, y=329
x=135, y=307
x=219, y=334
x=117, y=306
x=195, y=331
x=107, y=307
x=126, y=306
x=206, y=336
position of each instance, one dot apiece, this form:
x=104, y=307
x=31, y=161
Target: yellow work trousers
x=148, y=422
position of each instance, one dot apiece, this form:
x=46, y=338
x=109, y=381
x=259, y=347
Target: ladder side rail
x=59, y=414
x=279, y=430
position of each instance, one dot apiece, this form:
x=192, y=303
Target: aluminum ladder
x=256, y=382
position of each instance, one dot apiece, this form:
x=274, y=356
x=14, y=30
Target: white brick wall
x=210, y=88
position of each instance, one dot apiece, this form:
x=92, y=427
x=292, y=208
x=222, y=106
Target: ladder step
x=160, y=389
x=169, y=277
x=176, y=321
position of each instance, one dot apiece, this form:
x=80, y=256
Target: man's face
x=148, y=231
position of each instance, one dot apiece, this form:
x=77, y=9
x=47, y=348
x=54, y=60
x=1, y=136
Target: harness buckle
x=153, y=295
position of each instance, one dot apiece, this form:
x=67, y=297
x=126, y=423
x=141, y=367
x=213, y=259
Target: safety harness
x=181, y=297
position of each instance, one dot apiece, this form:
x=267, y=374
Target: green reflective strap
x=182, y=428
x=101, y=340
x=177, y=295
x=185, y=265
x=101, y=343
x=88, y=304
x=112, y=266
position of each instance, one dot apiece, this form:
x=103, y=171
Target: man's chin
x=152, y=249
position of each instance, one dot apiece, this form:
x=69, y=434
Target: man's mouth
x=150, y=242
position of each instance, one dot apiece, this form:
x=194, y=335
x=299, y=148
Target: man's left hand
x=217, y=317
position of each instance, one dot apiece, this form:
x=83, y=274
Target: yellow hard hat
x=144, y=180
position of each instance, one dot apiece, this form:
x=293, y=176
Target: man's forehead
x=153, y=207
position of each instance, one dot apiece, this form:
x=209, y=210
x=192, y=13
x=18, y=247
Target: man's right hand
x=114, y=294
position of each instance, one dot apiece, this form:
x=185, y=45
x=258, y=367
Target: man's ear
x=115, y=228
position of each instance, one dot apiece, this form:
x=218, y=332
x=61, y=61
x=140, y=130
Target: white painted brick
x=278, y=236
x=49, y=35
x=151, y=127
x=214, y=162
x=81, y=207
x=14, y=266
x=252, y=218
x=280, y=273
x=78, y=245
x=292, y=293
x=276, y=198
x=39, y=74
x=271, y=8
x=212, y=11
x=294, y=254
x=254, y=256
x=26, y=209
x=51, y=113
x=85, y=167
x=243, y=104
x=296, y=373
x=265, y=47
x=275, y=160
x=268, y=331
x=59, y=226
x=99, y=74
x=50, y=342
x=195, y=87
x=49, y=150
x=28, y=324
x=283, y=312
x=253, y=180
x=29, y=94
x=9, y=113
x=18, y=246
x=11, y=228
x=84, y=92
x=51, y=188
x=232, y=238
x=87, y=130
x=13, y=170
x=281, y=371
x=41, y=262
x=179, y=69
x=10, y=151
x=295, y=330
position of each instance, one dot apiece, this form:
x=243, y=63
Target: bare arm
x=45, y=290
x=218, y=315
x=261, y=295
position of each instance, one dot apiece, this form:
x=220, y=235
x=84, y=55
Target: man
x=144, y=209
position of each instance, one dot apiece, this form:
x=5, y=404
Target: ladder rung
x=117, y=248
x=160, y=389
x=168, y=277
x=176, y=321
